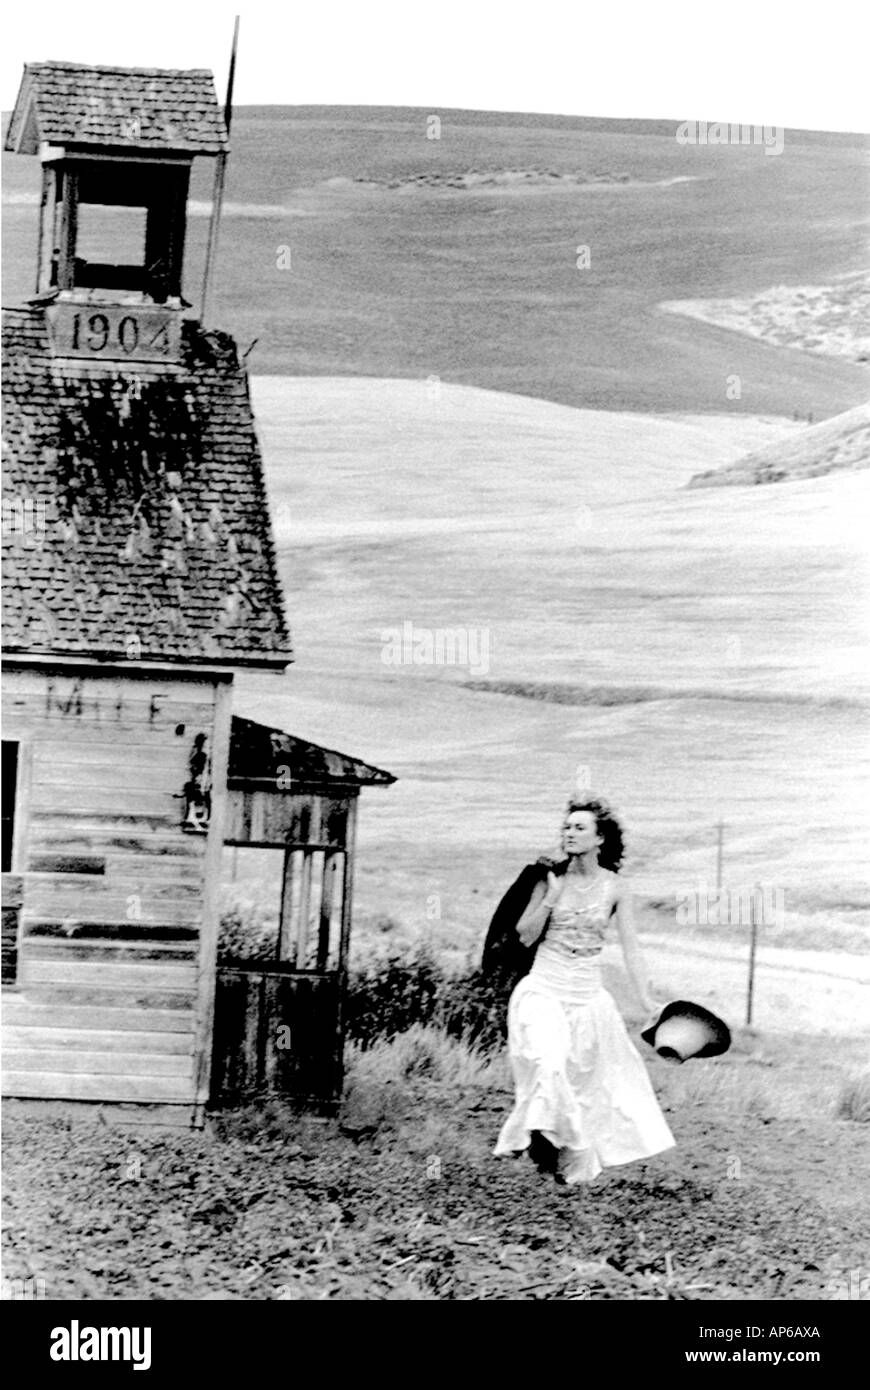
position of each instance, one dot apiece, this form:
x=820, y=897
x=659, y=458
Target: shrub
x=853, y=1102
x=423, y=1053
x=246, y=933
x=390, y=997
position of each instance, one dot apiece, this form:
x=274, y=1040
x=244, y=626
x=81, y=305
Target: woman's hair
x=612, y=844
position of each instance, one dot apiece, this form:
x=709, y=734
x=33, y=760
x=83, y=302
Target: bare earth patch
x=826, y=319
x=401, y=1198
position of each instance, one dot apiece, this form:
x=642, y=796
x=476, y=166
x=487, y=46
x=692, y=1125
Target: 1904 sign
x=115, y=332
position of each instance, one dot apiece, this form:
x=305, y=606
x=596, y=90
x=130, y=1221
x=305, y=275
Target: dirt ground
x=400, y=1198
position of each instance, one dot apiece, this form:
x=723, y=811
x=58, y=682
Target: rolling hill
x=832, y=446
x=480, y=284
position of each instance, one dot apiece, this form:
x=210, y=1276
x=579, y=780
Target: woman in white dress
x=584, y=1101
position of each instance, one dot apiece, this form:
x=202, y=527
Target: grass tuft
x=853, y=1102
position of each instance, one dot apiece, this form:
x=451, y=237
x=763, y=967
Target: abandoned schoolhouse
x=140, y=574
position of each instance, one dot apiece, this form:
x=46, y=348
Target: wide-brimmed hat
x=685, y=1030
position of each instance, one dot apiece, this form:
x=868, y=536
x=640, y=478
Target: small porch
x=278, y=1023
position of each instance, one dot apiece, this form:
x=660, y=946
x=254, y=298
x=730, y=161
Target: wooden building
x=139, y=575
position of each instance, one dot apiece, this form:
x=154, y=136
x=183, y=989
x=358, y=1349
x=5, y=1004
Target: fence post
x=753, y=940
x=720, y=835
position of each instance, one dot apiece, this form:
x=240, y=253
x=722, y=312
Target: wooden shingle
x=138, y=523
x=148, y=109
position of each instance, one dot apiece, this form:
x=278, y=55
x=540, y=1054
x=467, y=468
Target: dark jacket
x=505, y=959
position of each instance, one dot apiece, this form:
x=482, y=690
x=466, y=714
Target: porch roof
x=263, y=756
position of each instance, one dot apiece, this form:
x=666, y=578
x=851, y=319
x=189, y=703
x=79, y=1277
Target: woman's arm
x=634, y=962
x=541, y=903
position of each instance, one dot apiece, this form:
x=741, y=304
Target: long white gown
x=579, y=1078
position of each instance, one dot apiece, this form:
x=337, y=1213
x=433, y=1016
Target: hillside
x=842, y=443
x=457, y=257
x=700, y=653
x=831, y=320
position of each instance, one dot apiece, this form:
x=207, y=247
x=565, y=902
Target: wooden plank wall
x=108, y=997
x=278, y=1033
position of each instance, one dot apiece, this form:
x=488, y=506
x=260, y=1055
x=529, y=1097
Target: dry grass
x=425, y=1053
x=765, y=1077
x=853, y=1101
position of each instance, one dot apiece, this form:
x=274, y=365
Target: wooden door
x=278, y=1032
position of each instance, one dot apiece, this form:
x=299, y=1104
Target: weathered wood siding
x=278, y=1032
x=265, y=817
x=118, y=920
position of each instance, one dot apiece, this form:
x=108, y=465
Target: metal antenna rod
x=219, y=179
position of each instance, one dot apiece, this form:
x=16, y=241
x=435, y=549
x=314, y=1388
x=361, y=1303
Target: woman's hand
x=555, y=887
x=528, y=933
x=534, y=919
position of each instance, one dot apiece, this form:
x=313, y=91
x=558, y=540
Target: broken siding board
x=114, y=839
x=50, y=948
x=184, y=872
x=120, y=896
x=117, y=823
x=66, y=929
x=108, y=839
x=66, y=864
x=115, y=738
x=43, y=889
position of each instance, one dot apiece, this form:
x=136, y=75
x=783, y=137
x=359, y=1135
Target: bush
x=246, y=933
x=394, y=995
x=423, y=1053
x=854, y=1099
x=388, y=996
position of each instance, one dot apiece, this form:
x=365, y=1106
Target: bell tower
x=116, y=147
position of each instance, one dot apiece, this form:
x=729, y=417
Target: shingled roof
x=261, y=754
x=146, y=530
x=149, y=109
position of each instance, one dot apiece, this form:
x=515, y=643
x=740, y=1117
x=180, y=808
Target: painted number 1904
x=113, y=332
x=97, y=333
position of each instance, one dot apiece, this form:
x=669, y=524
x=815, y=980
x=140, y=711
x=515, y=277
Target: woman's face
x=580, y=833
